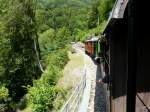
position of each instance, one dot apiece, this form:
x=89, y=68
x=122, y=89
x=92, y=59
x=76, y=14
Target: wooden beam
x=131, y=67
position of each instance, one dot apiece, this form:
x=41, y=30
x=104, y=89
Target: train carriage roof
x=117, y=13
x=92, y=39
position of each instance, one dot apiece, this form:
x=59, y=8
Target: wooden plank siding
x=117, y=34
x=118, y=66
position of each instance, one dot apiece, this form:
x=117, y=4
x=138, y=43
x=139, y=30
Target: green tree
x=4, y=98
x=94, y=15
x=57, y=23
x=21, y=67
x=104, y=8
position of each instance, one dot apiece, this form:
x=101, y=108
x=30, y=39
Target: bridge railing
x=73, y=103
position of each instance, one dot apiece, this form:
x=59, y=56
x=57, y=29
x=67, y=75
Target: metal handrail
x=75, y=98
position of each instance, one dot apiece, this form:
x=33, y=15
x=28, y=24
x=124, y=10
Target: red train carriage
x=88, y=47
x=91, y=47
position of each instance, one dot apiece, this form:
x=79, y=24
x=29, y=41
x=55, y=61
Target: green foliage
x=42, y=98
x=53, y=45
x=94, y=15
x=42, y=95
x=60, y=99
x=18, y=65
x=3, y=93
x=99, y=29
x=4, y=98
x=3, y=8
x=104, y=8
x=56, y=14
x=57, y=23
x=59, y=58
x=81, y=36
x=47, y=42
x=21, y=66
x=63, y=37
x=98, y=16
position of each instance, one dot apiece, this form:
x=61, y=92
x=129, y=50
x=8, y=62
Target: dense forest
x=34, y=41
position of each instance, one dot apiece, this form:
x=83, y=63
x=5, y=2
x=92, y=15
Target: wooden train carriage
x=92, y=47
x=95, y=45
x=129, y=63
x=88, y=47
x=97, y=50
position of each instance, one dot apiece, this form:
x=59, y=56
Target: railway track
x=97, y=101
x=97, y=94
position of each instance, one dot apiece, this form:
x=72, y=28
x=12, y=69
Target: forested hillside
x=34, y=40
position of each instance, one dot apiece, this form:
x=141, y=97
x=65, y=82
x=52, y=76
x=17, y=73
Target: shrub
x=3, y=99
x=42, y=98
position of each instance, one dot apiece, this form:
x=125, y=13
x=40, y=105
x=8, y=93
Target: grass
x=72, y=73
x=28, y=109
